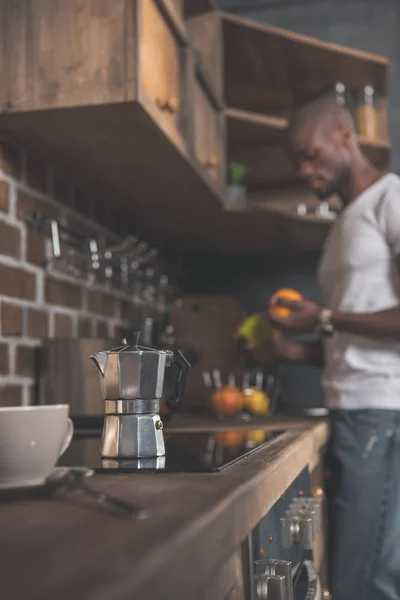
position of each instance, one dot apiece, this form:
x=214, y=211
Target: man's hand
x=303, y=317
x=273, y=350
x=280, y=349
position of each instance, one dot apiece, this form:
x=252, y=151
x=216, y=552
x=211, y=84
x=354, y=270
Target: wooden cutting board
x=67, y=375
x=207, y=324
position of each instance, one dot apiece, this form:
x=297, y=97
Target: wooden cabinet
x=69, y=53
x=194, y=7
x=99, y=89
x=260, y=92
x=3, y=61
x=131, y=100
x=161, y=61
x=175, y=6
x=205, y=34
x=229, y=583
x=208, y=137
x=96, y=52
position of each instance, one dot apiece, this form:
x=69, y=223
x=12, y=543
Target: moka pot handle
x=180, y=386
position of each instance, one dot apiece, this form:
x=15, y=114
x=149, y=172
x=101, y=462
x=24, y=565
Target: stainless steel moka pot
x=132, y=383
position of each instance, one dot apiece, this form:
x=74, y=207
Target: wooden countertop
x=66, y=549
x=185, y=422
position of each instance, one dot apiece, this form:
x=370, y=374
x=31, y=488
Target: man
x=360, y=348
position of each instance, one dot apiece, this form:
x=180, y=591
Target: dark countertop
x=66, y=549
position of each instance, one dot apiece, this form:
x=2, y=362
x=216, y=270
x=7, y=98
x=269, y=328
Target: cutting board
x=207, y=324
x=67, y=375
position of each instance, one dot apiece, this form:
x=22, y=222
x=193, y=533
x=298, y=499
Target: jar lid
x=369, y=90
x=340, y=88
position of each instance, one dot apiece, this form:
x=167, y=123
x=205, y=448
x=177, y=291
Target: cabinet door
x=205, y=32
x=65, y=53
x=201, y=111
x=229, y=583
x=176, y=6
x=160, y=61
x=207, y=133
x=3, y=57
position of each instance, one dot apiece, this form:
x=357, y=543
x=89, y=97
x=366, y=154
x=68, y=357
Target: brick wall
x=38, y=302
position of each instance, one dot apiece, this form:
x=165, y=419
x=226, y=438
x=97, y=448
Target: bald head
x=323, y=113
x=323, y=145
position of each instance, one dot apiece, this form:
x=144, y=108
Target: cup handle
x=69, y=436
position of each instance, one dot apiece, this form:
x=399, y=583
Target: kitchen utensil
x=245, y=380
x=207, y=380
x=217, y=379
x=259, y=380
x=231, y=379
x=132, y=382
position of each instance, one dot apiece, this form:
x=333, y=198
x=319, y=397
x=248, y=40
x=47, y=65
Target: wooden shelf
x=271, y=70
x=120, y=154
x=378, y=151
x=195, y=7
x=258, y=140
x=266, y=228
x=181, y=213
x=115, y=136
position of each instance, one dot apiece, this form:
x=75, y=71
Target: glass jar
x=340, y=93
x=367, y=119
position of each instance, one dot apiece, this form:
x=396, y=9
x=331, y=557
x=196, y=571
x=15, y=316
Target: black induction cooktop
x=201, y=452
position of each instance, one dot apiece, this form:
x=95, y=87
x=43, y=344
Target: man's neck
x=363, y=174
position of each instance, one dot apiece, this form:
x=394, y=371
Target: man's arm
x=304, y=317
x=384, y=324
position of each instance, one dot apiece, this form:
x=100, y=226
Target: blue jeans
x=365, y=503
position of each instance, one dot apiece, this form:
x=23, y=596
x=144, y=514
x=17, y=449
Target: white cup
x=32, y=438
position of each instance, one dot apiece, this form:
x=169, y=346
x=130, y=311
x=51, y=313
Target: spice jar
x=367, y=114
x=340, y=94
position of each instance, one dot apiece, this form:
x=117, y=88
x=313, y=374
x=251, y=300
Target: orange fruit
x=229, y=439
x=281, y=312
x=229, y=400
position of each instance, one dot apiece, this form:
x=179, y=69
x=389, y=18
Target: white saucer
x=56, y=473
x=21, y=484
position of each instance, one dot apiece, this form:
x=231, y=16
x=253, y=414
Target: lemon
x=256, y=437
x=256, y=401
x=255, y=330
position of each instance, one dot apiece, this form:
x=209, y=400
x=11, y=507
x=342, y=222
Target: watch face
x=326, y=326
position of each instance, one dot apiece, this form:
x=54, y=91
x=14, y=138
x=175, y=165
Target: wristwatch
x=325, y=325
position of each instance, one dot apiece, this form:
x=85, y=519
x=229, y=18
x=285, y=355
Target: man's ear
x=346, y=134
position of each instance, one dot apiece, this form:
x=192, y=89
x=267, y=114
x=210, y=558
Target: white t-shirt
x=358, y=274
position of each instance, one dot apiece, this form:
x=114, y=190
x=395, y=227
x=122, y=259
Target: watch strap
x=325, y=322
